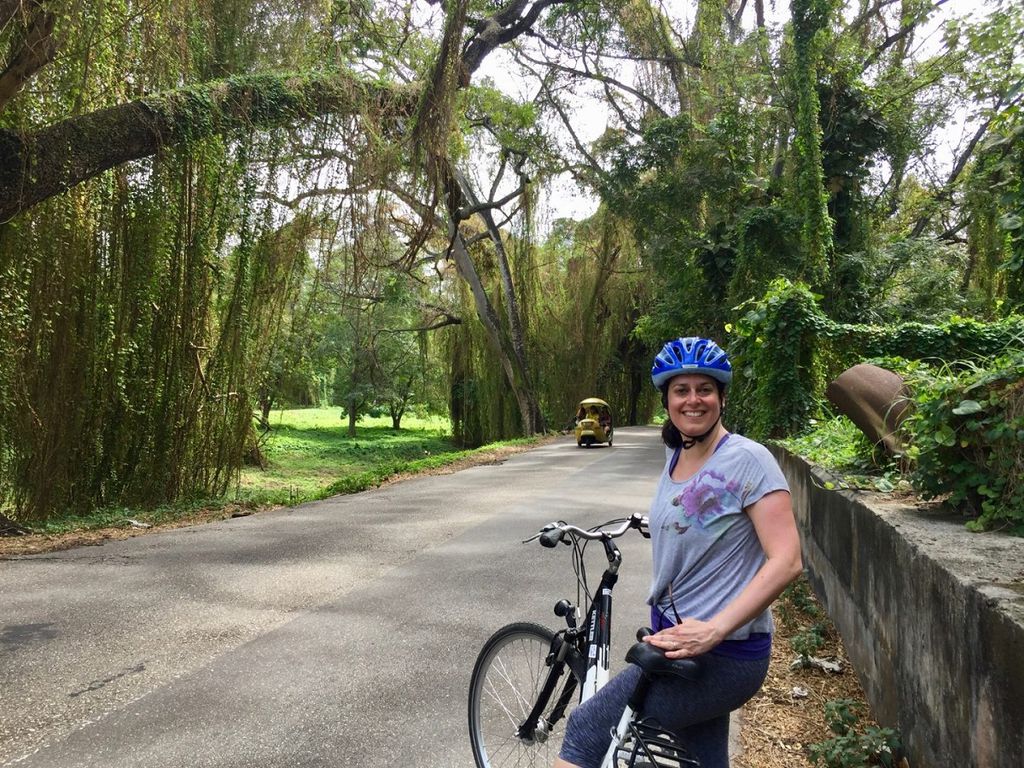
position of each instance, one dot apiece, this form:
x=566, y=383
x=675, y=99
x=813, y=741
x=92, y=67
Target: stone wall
x=931, y=615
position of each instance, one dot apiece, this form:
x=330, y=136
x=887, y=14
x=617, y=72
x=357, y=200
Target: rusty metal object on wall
x=873, y=398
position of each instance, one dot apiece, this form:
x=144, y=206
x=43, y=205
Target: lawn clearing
x=309, y=451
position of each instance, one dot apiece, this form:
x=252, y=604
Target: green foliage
x=309, y=456
x=595, y=285
x=777, y=377
x=798, y=610
x=810, y=27
x=797, y=603
x=513, y=122
x=839, y=445
x=966, y=436
x=850, y=748
x=996, y=197
x=767, y=247
x=916, y=279
x=786, y=349
x=144, y=313
x=808, y=642
x=966, y=432
x=800, y=613
x=661, y=185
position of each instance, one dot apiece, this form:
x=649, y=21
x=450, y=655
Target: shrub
x=785, y=349
x=777, y=375
x=851, y=749
x=966, y=437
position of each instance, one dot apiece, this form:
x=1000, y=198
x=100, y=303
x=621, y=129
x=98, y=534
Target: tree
x=195, y=195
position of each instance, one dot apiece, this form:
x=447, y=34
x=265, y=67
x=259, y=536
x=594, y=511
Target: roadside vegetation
x=307, y=454
x=212, y=209
x=811, y=711
x=961, y=442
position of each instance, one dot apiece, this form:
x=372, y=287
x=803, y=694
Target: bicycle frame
x=587, y=653
x=585, y=650
x=599, y=625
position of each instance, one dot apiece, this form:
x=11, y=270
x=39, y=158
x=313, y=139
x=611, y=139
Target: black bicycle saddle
x=652, y=661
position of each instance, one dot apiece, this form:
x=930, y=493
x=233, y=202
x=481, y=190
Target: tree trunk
x=492, y=325
x=531, y=424
x=353, y=416
x=36, y=48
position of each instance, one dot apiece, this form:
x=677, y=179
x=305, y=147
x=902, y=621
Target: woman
x=725, y=546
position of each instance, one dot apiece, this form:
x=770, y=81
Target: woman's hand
x=690, y=637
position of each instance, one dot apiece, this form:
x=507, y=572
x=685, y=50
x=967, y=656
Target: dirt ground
x=778, y=724
x=788, y=714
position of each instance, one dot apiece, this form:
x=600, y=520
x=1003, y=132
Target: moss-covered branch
x=37, y=166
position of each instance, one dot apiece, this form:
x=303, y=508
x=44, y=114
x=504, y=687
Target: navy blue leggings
x=695, y=710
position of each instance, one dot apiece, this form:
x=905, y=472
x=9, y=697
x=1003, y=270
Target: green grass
x=839, y=446
x=309, y=456
x=309, y=452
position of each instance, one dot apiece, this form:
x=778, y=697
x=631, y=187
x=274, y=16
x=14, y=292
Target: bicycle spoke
x=511, y=676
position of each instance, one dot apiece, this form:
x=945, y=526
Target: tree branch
x=8, y=8
x=908, y=25
x=954, y=174
x=467, y=211
x=594, y=165
x=599, y=78
x=37, y=166
x=294, y=202
x=863, y=17
x=34, y=51
x=502, y=27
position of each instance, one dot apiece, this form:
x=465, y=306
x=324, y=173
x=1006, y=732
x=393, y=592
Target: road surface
x=337, y=633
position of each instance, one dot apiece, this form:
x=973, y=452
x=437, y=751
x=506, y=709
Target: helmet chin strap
x=691, y=440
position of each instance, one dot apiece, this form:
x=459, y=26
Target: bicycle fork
x=534, y=727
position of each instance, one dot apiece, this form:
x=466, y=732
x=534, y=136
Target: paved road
x=337, y=633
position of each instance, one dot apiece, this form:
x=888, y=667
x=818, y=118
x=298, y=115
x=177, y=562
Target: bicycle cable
x=580, y=566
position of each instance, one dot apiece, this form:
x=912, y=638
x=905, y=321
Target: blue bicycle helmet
x=691, y=354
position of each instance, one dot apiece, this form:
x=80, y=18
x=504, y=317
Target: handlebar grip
x=551, y=538
x=643, y=632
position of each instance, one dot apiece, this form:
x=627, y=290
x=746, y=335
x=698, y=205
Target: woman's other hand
x=690, y=637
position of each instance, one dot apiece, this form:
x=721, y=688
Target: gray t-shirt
x=704, y=542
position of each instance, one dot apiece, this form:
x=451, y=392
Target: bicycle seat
x=653, y=661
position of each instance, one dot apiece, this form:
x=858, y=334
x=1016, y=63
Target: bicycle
x=527, y=677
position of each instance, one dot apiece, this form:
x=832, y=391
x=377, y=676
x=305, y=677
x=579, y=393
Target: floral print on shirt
x=701, y=500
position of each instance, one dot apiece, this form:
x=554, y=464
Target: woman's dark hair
x=671, y=436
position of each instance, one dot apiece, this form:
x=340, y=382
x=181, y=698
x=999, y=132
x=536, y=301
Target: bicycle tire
x=509, y=674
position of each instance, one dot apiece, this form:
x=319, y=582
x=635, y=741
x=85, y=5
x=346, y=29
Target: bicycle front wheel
x=509, y=676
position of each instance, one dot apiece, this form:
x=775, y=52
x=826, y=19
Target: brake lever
x=642, y=523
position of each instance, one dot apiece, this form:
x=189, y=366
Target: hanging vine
x=810, y=25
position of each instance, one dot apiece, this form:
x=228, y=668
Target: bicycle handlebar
x=552, y=533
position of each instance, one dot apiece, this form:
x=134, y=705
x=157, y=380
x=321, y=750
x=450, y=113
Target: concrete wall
x=931, y=615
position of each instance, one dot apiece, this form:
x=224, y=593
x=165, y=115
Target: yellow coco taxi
x=593, y=422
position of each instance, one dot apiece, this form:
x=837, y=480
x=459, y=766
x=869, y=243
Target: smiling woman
x=724, y=544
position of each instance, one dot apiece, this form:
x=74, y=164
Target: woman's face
x=693, y=403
